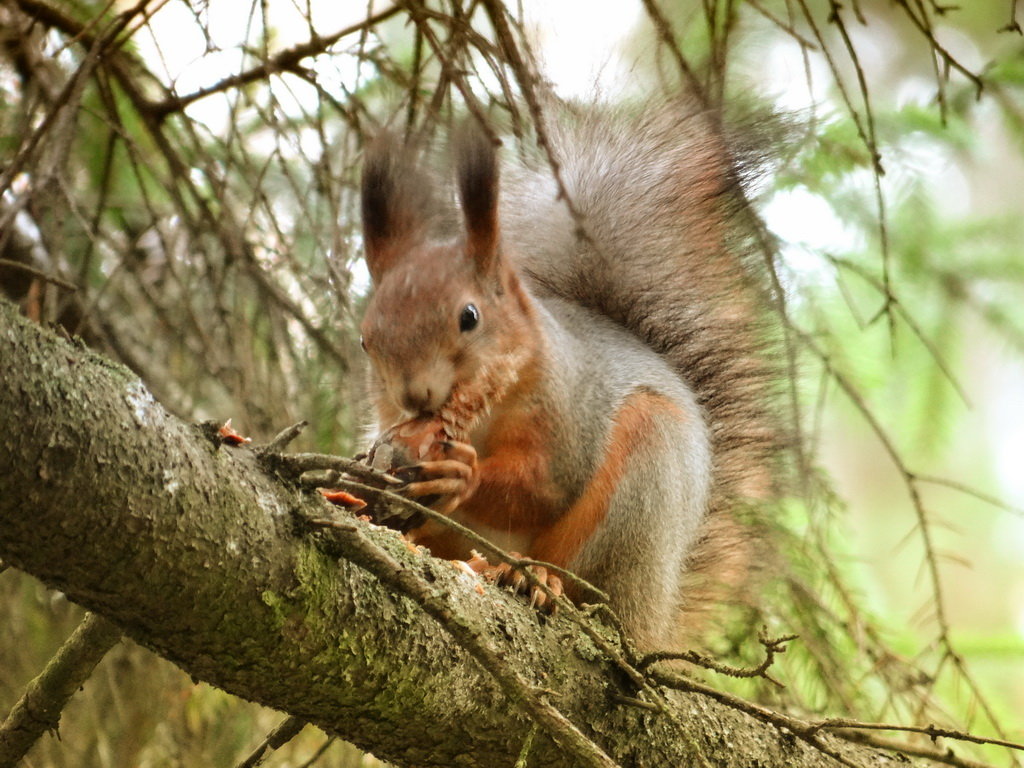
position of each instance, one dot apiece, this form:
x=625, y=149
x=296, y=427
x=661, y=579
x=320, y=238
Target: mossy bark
x=197, y=552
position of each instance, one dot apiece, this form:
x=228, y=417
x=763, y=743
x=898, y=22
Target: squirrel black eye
x=362, y=343
x=469, y=318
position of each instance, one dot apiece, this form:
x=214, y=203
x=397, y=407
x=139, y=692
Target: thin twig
x=283, y=61
x=931, y=731
x=40, y=706
x=285, y=731
x=285, y=437
x=664, y=30
x=966, y=489
x=893, y=301
x=772, y=647
x=28, y=268
x=319, y=752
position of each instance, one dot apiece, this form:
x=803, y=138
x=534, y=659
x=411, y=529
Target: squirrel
x=587, y=384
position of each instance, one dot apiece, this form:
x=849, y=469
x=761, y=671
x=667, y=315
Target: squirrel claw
x=517, y=580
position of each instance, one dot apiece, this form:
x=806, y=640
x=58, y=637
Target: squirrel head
x=443, y=311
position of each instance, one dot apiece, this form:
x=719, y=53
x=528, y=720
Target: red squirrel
x=591, y=380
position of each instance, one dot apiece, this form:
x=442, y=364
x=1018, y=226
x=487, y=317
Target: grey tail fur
x=667, y=254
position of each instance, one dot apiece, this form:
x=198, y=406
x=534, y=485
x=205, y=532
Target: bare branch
x=43, y=701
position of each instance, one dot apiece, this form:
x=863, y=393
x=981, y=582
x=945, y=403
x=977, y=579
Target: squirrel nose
x=417, y=399
x=423, y=391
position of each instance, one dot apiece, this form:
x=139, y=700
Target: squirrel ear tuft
x=477, y=174
x=395, y=203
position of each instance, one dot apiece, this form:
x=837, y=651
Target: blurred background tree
x=177, y=187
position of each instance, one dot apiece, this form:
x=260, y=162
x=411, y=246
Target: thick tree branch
x=197, y=552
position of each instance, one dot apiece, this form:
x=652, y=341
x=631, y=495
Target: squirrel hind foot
x=542, y=589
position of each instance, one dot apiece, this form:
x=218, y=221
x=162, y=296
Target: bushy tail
x=662, y=245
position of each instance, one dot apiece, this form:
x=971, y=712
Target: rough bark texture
x=196, y=552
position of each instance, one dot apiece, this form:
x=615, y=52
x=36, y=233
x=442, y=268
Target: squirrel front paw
x=440, y=472
x=450, y=478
